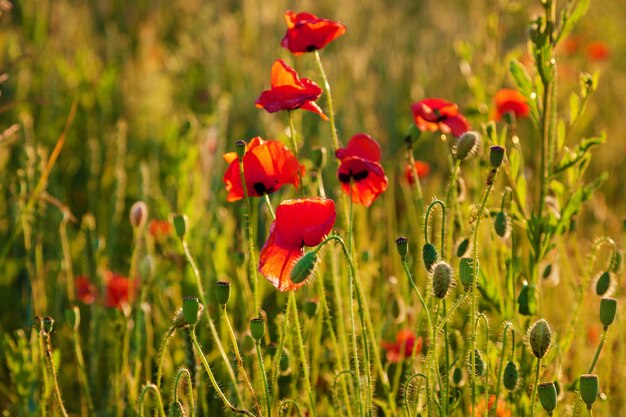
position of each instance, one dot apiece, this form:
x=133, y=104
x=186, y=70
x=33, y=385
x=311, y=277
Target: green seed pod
x=402, y=244
x=608, y=309
x=496, y=155
x=430, y=255
x=47, y=323
x=318, y=157
x=180, y=225
x=138, y=215
x=303, y=268
x=603, y=284
x=616, y=262
x=467, y=145
x=589, y=388
x=191, y=307
x=462, y=248
x=466, y=272
x=547, y=396
x=222, y=292
x=457, y=376
x=502, y=224
x=176, y=410
x=442, y=279
x=511, y=376
x=527, y=300
x=240, y=148
x=479, y=363
x=257, y=328
x=539, y=338
x=310, y=307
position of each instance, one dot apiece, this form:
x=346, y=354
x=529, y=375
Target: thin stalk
x=248, y=222
x=597, y=355
x=446, y=391
x=151, y=388
x=443, y=224
x=408, y=383
x=533, y=396
x=419, y=198
x=329, y=102
x=80, y=360
x=268, y=398
x=506, y=327
x=184, y=373
x=168, y=335
x=269, y=205
x=482, y=316
x=279, y=353
x=294, y=145
x=67, y=257
x=52, y=373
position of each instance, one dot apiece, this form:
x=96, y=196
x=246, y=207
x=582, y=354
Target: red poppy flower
x=299, y=223
x=510, y=101
x=360, y=169
x=289, y=92
x=422, y=170
x=159, y=229
x=267, y=166
x=597, y=51
x=403, y=346
x=483, y=409
x=307, y=32
x=434, y=114
x=86, y=291
x=117, y=289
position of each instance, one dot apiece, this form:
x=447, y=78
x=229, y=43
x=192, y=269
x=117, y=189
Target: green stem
x=279, y=354
x=184, y=373
x=67, y=256
x=252, y=276
x=443, y=223
x=446, y=392
x=268, y=399
x=269, y=206
x=168, y=335
x=329, y=101
x=533, y=396
x=419, y=198
x=80, y=360
x=408, y=384
x=151, y=388
x=507, y=326
x=53, y=374
x=482, y=316
x=597, y=355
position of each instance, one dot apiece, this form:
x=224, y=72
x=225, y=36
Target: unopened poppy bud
x=442, y=279
x=467, y=145
x=511, y=375
x=603, y=283
x=222, y=292
x=608, y=309
x=527, y=300
x=240, y=148
x=138, y=215
x=303, y=268
x=402, y=244
x=190, y=310
x=616, y=262
x=47, y=323
x=539, y=338
x=457, y=376
x=257, y=328
x=146, y=267
x=318, y=157
x=547, y=396
x=501, y=224
x=180, y=225
x=462, y=248
x=466, y=272
x=479, y=363
x=429, y=254
x=589, y=389
x=496, y=155
x=310, y=307
x=176, y=410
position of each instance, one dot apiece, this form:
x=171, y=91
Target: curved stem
x=335, y=379
x=407, y=385
x=151, y=388
x=166, y=340
x=294, y=403
x=184, y=373
x=443, y=223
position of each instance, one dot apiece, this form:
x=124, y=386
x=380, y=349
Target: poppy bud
x=222, y=292
x=539, y=338
x=146, y=267
x=479, y=363
x=429, y=254
x=176, y=410
x=616, y=261
x=589, y=389
x=318, y=157
x=457, y=376
x=527, y=300
x=608, y=309
x=191, y=306
x=466, y=272
x=303, y=268
x=240, y=148
x=442, y=279
x=138, y=215
x=402, y=244
x=547, y=396
x=462, y=248
x=180, y=225
x=496, y=155
x=467, y=145
x=310, y=307
x=501, y=224
x=257, y=328
x=47, y=323
x=603, y=283
x=511, y=375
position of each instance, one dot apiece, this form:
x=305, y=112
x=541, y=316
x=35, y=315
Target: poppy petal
x=363, y=146
x=456, y=124
x=304, y=222
x=276, y=262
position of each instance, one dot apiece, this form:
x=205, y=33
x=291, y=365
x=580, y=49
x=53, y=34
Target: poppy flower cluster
x=307, y=32
x=437, y=114
x=360, y=172
x=290, y=92
x=406, y=345
x=510, y=101
x=299, y=223
x=267, y=166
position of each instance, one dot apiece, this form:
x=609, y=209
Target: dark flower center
x=357, y=176
x=311, y=48
x=261, y=188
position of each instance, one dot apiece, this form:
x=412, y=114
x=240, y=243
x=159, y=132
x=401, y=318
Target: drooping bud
x=547, y=396
x=138, y=215
x=176, y=410
x=303, y=268
x=180, y=225
x=457, y=376
x=589, y=389
x=511, y=376
x=527, y=300
x=318, y=157
x=502, y=224
x=467, y=145
x=257, y=328
x=462, y=248
x=442, y=279
x=429, y=254
x=402, y=244
x=222, y=292
x=603, y=283
x=496, y=155
x=191, y=306
x=539, y=338
x=608, y=309
x=310, y=307
x=466, y=272
x=240, y=148
x=479, y=363
x=47, y=323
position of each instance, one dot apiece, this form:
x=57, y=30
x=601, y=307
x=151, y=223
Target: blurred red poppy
x=597, y=51
x=117, y=290
x=307, y=32
x=267, y=166
x=86, y=291
x=159, y=229
x=483, y=410
x=406, y=340
x=360, y=172
x=510, y=101
x=289, y=92
x=423, y=168
x=434, y=114
x=299, y=223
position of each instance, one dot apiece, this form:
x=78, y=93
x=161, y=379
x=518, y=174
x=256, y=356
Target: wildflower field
x=313, y=208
